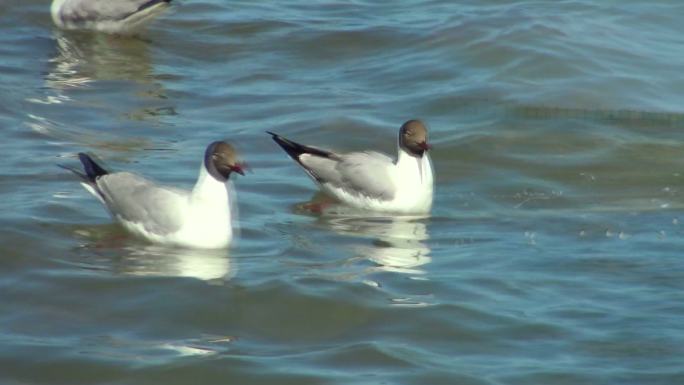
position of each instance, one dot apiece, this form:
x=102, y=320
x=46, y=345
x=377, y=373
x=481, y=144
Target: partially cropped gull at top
x=370, y=180
x=199, y=218
x=112, y=16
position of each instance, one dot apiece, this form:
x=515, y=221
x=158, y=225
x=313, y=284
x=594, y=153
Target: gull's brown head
x=221, y=160
x=413, y=137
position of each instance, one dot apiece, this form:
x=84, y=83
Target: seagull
x=199, y=218
x=369, y=180
x=113, y=16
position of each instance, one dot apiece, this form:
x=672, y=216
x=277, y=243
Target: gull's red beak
x=239, y=168
x=424, y=146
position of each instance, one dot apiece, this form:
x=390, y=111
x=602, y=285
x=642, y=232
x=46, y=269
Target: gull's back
x=105, y=15
x=134, y=200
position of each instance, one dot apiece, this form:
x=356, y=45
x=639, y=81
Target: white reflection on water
x=117, y=251
x=122, y=347
x=120, y=72
x=155, y=260
x=398, y=242
x=122, y=64
x=85, y=57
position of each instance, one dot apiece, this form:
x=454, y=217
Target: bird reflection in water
x=399, y=243
x=121, y=80
x=204, y=264
x=110, y=248
x=83, y=57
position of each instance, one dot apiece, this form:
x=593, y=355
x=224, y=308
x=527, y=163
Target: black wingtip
x=92, y=169
x=151, y=3
x=294, y=149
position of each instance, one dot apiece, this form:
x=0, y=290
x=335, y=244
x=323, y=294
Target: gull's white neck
x=209, y=190
x=415, y=165
x=414, y=182
x=208, y=213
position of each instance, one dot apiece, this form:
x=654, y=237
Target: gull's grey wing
x=358, y=173
x=82, y=11
x=135, y=199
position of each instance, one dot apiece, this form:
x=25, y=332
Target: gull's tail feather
x=147, y=11
x=92, y=169
x=294, y=149
x=152, y=3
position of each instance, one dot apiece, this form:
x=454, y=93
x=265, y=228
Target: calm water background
x=553, y=254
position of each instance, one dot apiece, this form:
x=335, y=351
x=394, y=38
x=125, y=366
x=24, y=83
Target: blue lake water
x=553, y=254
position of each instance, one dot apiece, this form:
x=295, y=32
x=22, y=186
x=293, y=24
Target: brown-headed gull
x=370, y=180
x=198, y=218
x=114, y=16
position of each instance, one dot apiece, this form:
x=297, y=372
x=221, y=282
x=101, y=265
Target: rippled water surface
x=553, y=254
